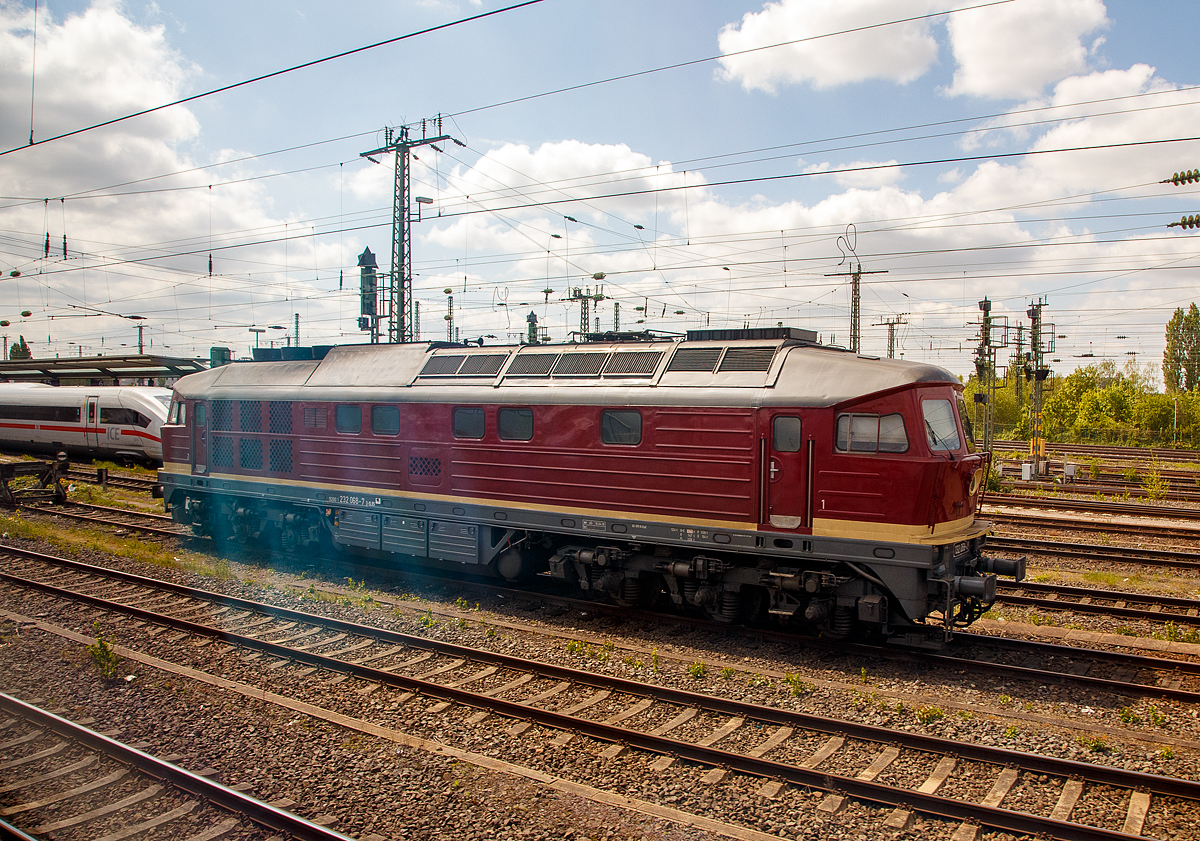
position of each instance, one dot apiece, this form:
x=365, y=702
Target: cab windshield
x=941, y=430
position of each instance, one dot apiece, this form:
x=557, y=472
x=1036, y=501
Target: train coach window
x=785, y=434
x=349, y=419
x=940, y=427
x=871, y=434
x=116, y=416
x=621, y=426
x=385, y=420
x=515, y=424
x=468, y=423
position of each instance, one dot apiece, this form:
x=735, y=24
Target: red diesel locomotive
x=741, y=473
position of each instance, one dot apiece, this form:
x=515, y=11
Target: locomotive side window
x=940, y=428
x=966, y=420
x=892, y=437
x=385, y=420
x=178, y=414
x=201, y=420
x=515, y=424
x=785, y=435
x=871, y=434
x=622, y=426
x=349, y=419
x=468, y=423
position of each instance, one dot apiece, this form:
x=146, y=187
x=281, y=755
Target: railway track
x=59, y=779
x=1134, y=453
x=104, y=515
x=1092, y=506
x=1141, y=530
x=1150, y=606
x=117, y=480
x=1095, y=552
x=500, y=698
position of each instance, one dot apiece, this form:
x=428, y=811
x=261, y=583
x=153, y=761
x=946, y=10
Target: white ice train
x=113, y=422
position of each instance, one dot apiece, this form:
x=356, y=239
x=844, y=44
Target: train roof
x=771, y=370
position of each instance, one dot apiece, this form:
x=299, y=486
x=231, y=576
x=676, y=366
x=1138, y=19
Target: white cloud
x=900, y=53
x=1016, y=50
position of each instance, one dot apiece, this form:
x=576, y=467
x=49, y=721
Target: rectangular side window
x=468, y=422
x=785, y=434
x=621, y=426
x=385, y=420
x=892, y=437
x=201, y=418
x=871, y=434
x=515, y=424
x=349, y=419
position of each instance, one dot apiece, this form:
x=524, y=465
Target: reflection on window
x=871, y=434
x=785, y=435
x=622, y=426
x=940, y=428
x=468, y=423
x=515, y=424
x=349, y=419
x=385, y=420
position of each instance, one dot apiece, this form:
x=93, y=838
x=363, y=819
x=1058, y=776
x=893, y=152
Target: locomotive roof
x=731, y=372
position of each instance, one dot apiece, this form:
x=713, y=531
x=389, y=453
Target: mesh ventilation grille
x=747, y=359
x=641, y=363
x=249, y=416
x=222, y=415
x=424, y=466
x=532, y=365
x=280, y=414
x=580, y=364
x=222, y=451
x=442, y=365
x=250, y=453
x=695, y=359
x=482, y=365
x=281, y=456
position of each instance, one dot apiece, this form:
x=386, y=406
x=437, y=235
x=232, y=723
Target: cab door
x=785, y=472
x=91, y=422
x=200, y=437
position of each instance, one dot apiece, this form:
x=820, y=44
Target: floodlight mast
x=402, y=141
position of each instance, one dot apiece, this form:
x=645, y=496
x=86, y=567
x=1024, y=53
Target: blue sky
x=763, y=139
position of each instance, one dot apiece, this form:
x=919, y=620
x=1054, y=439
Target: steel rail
x=84, y=518
x=1171, y=786
x=212, y=792
x=1118, y=687
x=1006, y=595
x=1140, y=529
x=1095, y=506
x=1094, y=552
x=930, y=804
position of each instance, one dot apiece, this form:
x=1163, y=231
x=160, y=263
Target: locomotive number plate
x=595, y=525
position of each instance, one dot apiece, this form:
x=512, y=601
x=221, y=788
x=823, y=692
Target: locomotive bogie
x=795, y=482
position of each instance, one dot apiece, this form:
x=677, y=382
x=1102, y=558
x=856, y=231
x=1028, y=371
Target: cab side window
x=862, y=433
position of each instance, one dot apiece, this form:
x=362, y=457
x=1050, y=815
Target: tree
x=20, y=350
x=1181, y=359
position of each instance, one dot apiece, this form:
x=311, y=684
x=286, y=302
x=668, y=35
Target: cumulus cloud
x=899, y=53
x=93, y=66
x=1016, y=50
